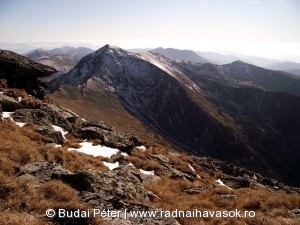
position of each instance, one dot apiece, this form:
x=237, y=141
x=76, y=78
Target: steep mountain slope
x=266, y=79
x=223, y=120
x=176, y=54
x=62, y=59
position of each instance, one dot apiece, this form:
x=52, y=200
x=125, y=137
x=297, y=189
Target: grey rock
x=109, y=138
x=55, y=135
x=9, y=104
x=236, y=182
x=294, y=212
x=197, y=190
x=62, y=112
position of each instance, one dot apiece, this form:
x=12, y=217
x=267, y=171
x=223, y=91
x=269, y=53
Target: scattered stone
x=197, y=190
x=236, y=182
x=228, y=197
x=161, y=158
x=294, y=212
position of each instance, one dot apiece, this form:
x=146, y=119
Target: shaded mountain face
x=20, y=72
x=204, y=108
x=62, y=59
x=176, y=54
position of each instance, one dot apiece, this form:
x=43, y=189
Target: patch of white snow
x=61, y=130
x=222, y=184
x=19, y=99
x=20, y=124
x=142, y=148
x=97, y=150
x=124, y=154
x=192, y=168
x=6, y=115
x=111, y=166
x=147, y=172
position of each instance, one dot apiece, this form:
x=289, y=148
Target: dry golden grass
x=142, y=160
x=23, y=202
x=26, y=99
x=15, y=218
x=73, y=160
x=267, y=205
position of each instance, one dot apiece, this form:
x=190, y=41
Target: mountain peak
x=112, y=50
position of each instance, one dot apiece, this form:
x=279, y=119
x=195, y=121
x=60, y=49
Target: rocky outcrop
x=9, y=104
x=20, y=72
x=107, y=136
x=111, y=190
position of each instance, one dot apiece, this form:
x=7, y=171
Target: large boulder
x=23, y=73
x=59, y=111
x=42, y=117
x=107, y=136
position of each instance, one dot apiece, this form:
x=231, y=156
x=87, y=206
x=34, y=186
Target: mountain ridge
x=182, y=105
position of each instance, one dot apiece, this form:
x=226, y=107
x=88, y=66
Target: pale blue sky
x=261, y=27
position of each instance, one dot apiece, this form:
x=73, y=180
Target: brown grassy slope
x=23, y=202
x=104, y=106
x=270, y=207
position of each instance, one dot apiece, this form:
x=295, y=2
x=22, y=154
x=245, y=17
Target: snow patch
x=20, y=99
x=192, y=168
x=111, y=166
x=61, y=130
x=142, y=148
x=98, y=150
x=147, y=172
x=130, y=164
x=124, y=154
x=222, y=184
x=6, y=115
x=20, y=124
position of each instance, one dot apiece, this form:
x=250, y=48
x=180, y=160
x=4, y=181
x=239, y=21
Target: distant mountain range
x=290, y=67
x=185, y=55
x=235, y=112
x=63, y=59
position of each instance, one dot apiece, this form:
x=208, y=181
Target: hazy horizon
x=262, y=28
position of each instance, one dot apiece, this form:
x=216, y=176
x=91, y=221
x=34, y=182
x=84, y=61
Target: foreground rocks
x=113, y=190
